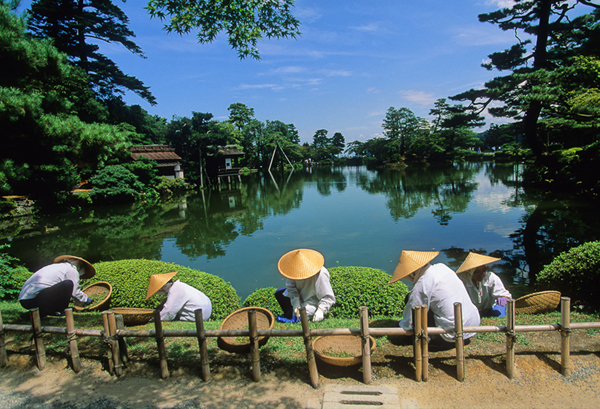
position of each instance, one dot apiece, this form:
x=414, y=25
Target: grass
x=288, y=353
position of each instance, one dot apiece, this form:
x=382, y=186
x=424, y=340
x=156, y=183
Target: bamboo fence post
x=254, y=352
x=565, y=332
x=112, y=327
x=310, y=354
x=3, y=356
x=160, y=343
x=424, y=344
x=72, y=340
x=36, y=326
x=202, y=345
x=122, y=342
x=108, y=341
x=510, y=338
x=366, y=344
x=416, y=311
x=459, y=340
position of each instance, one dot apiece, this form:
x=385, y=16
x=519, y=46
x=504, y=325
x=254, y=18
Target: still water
x=352, y=215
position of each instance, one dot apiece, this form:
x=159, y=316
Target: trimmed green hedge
x=130, y=278
x=353, y=287
x=576, y=274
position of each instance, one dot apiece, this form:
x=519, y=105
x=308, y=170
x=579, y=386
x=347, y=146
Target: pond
x=353, y=215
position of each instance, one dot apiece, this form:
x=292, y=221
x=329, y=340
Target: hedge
x=130, y=278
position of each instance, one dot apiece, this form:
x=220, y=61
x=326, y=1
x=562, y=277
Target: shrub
x=170, y=187
x=12, y=275
x=353, y=287
x=264, y=298
x=357, y=286
x=115, y=184
x=576, y=274
x=129, y=280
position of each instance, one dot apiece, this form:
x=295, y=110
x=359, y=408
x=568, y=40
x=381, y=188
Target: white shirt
x=485, y=294
x=313, y=292
x=438, y=287
x=182, y=301
x=51, y=275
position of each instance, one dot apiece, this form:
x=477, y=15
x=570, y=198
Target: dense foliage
x=130, y=278
x=576, y=274
x=353, y=287
x=12, y=275
x=115, y=184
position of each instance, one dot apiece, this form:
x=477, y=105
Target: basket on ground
x=100, y=294
x=135, y=316
x=537, y=303
x=238, y=320
x=341, y=350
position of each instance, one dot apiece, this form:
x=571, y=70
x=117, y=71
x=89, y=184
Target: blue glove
x=88, y=301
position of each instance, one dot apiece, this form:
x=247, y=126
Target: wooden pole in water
x=459, y=340
x=366, y=344
x=72, y=340
x=424, y=343
x=112, y=327
x=108, y=341
x=122, y=342
x=510, y=338
x=416, y=310
x=310, y=354
x=202, y=344
x=3, y=356
x=254, y=352
x=565, y=332
x=160, y=343
x=36, y=325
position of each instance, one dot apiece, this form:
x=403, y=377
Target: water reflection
x=354, y=216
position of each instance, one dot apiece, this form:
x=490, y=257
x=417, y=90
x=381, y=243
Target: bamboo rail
x=114, y=336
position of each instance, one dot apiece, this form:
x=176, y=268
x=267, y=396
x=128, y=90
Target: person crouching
x=182, y=299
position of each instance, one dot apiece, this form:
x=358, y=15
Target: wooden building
x=224, y=164
x=167, y=161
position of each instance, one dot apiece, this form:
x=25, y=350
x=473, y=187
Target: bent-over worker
x=182, y=299
x=484, y=287
x=51, y=287
x=307, y=285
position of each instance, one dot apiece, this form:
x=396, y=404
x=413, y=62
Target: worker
x=307, y=285
x=182, y=299
x=51, y=287
x=484, y=287
x=437, y=287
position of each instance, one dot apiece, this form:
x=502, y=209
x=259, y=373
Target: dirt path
x=537, y=383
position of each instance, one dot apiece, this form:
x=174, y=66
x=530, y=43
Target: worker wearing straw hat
x=484, y=287
x=51, y=287
x=182, y=299
x=307, y=285
x=437, y=287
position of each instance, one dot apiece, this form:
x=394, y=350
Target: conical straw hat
x=157, y=281
x=475, y=260
x=411, y=261
x=90, y=271
x=300, y=264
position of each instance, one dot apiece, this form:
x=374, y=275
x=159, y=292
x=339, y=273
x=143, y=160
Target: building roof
x=154, y=152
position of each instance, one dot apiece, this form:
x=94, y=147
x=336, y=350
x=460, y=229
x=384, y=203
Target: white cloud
x=418, y=97
x=336, y=73
x=373, y=90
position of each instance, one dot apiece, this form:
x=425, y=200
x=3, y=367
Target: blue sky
x=353, y=61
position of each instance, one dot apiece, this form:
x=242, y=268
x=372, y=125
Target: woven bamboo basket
x=135, y=316
x=100, y=292
x=536, y=303
x=341, y=350
x=239, y=320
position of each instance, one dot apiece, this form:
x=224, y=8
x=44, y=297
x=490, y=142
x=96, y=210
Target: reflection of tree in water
x=449, y=190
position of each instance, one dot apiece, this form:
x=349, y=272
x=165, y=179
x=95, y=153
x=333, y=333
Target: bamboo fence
x=114, y=335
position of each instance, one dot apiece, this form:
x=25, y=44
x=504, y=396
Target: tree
x=240, y=115
x=401, y=129
x=527, y=93
x=46, y=146
x=71, y=24
x=244, y=21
